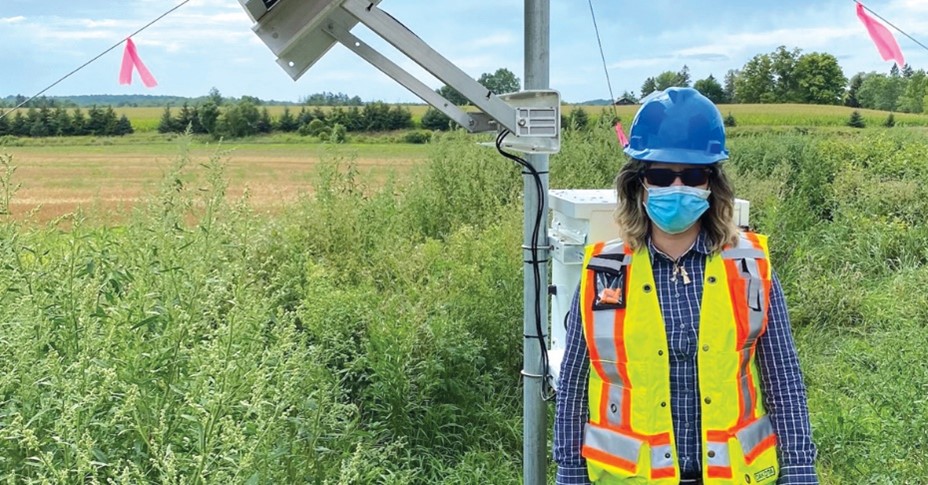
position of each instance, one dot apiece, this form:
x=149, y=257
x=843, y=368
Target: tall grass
x=372, y=333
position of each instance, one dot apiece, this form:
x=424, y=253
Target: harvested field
x=106, y=181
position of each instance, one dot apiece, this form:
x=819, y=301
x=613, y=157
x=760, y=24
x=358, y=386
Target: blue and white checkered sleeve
x=785, y=394
x=571, y=413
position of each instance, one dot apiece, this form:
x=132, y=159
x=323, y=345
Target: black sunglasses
x=664, y=177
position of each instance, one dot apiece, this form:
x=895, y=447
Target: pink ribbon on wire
x=130, y=58
x=882, y=37
x=620, y=134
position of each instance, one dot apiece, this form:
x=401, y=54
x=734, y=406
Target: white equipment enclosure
x=579, y=218
x=300, y=32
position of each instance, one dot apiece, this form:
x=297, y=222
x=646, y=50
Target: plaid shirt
x=784, y=392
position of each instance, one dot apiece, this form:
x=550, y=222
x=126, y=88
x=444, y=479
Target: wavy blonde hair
x=633, y=221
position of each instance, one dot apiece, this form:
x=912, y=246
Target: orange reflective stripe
x=718, y=472
x=764, y=445
x=591, y=453
x=668, y=472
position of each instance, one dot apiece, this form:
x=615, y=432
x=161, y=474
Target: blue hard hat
x=677, y=125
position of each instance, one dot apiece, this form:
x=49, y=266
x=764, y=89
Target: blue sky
x=209, y=43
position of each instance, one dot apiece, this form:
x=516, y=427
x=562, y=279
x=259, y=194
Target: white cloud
x=12, y=20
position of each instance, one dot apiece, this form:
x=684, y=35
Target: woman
x=680, y=366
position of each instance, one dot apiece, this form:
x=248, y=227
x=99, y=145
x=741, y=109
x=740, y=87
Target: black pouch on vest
x=609, y=279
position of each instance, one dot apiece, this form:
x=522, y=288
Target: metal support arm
x=413, y=47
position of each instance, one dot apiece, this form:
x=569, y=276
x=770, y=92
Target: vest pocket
x=615, y=454
x=758, y=453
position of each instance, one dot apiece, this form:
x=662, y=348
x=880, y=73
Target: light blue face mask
x=676, y=208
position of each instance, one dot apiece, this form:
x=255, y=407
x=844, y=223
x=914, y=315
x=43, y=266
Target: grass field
x=107, y=179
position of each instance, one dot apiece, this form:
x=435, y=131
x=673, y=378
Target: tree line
x=59, y=121
x=246, y=117
x=790, y=76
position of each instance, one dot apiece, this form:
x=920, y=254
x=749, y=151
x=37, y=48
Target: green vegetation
x=372, y=333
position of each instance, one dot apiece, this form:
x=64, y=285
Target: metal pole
x=535, y=437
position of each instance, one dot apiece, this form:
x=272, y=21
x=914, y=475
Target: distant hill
x=597, y=102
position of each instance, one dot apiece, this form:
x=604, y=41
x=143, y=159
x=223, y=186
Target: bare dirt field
x=105, y=181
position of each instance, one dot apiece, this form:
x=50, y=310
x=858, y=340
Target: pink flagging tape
x=130, y=58
x=882, y=37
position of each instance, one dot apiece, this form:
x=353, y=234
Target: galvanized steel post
x=535, y=437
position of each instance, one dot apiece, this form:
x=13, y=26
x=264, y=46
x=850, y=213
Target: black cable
x=547, y=389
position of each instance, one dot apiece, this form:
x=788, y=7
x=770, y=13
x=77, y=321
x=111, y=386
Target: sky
x=210, y=43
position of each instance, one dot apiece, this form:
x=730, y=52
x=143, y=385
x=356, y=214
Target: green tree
x=730, y=79
x=500, y=82
x=5, y=125
x=166, y=123
x=436, y=120
x=63, y=126
x=850, y=99
x=785, y=83
x=452, y=95
x=78, y=123
x=879, y=91
x=913, y=98
x=286, y=122
x=818, y=79
x=856, y=120
x=208, y=116
x=683, y=77
x=215, y=96
x=755, y=84
x=19, y=126
x=711, y=89
x=578, y=119
x=123, y=126
x=265, y=125
x=666, y=80
x=240, y=119
x=648, y=86
x=109, y=121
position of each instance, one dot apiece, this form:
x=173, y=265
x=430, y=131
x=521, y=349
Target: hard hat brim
x=677, y=155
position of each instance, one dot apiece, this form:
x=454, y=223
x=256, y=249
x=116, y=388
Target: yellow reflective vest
x=630, y=437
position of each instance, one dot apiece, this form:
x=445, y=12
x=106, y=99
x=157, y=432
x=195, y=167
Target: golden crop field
x=106, y=180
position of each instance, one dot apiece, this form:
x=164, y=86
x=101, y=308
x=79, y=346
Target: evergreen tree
x=856, y=120
x=123, y=126
x=850, y=99
x=96, y=121
x=63, y=126
x=19, y=126
x=890, y=120
x=109, y=121
x=286, y=122
x=731, y=78
x=648, y=87
x=185, y=118
x=4, y=125
x=436, y=120
x=166, y=124
x=264, y=122
x=78, y=123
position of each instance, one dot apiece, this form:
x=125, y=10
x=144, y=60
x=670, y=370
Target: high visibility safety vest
x=630, y=437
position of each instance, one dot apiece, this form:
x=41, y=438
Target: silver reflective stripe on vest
x=612, y=443
x=614, y=408
x=745, y=384
x=661, y=457
x=719, y=455
x=604, y=337
x=597, y=263
x=742, y=252
x=754, y=433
